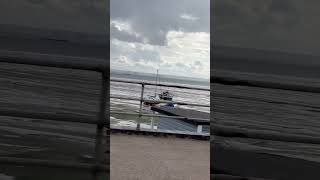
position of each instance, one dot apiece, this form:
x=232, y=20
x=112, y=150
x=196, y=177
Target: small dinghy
x=166, y=95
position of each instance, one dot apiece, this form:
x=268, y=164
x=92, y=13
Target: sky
x=284, y=25
x=172, y=36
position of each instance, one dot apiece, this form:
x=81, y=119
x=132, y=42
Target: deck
x=193, y=119
x=187, y=113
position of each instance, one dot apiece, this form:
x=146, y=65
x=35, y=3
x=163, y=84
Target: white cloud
x=123, y=59
x=185, y=54
x=121, y=25
x=188, y=17
x=124, y=26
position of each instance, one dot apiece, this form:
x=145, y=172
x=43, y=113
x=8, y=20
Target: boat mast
x=155, y=93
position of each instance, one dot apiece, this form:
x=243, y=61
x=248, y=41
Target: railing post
x=140, y=110
x=102, y=122
x=199, y=129
x=152, y=120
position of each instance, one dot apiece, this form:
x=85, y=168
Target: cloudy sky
x=286, y=25
x=172, y=36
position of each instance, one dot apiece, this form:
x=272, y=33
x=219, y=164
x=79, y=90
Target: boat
x=151, y=101
x=164, y=95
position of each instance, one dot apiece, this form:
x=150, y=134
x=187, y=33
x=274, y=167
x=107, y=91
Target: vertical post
x=152, y=122
x=140, y=110
x=102, y=121
x=153, y=119
x=155, y=93
x=199, y=129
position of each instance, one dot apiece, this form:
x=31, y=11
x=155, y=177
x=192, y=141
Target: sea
x=134, y=91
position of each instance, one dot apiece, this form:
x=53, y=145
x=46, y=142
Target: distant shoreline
x=163, y=77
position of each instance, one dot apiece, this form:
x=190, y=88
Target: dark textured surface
x=175, y=124
x=270, y=111
x=48, y=90
x=261, y=165
x=51, y=91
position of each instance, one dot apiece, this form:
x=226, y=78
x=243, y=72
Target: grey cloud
x=153, y=19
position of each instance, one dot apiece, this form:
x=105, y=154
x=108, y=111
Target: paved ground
x=158, y=158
